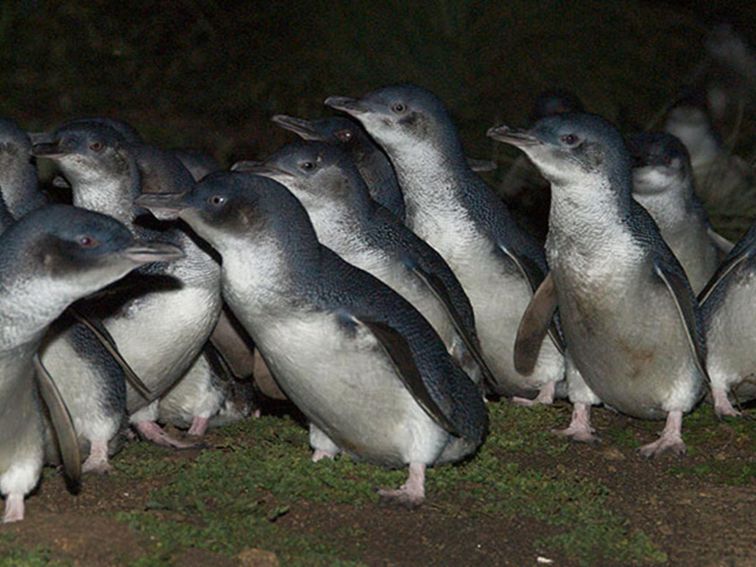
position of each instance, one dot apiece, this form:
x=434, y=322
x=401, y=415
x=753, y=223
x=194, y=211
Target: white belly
x=348, y=387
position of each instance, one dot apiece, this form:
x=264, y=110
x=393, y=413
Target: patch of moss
x=12, y=555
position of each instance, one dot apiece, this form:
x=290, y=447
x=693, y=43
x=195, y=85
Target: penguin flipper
x=400, y=353
x=722, y=244
x=686, y=307
x=441, y=293
x=102, y=334
x=722, y=274
x=65, y=432
x=533, y=274
x=534, y=325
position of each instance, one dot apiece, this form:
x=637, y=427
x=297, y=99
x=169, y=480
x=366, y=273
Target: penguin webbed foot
x=199, y=426
x=580, y=428
x=320, y=454
x=545, y=397
x=97, y=461
x=670, y=439
x=151, y=431
x=722, y=405
x=411, y=494
x=14, y=508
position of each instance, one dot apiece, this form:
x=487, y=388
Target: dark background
x=209, y=73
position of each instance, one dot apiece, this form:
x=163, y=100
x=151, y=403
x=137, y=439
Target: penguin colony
x=387, y=288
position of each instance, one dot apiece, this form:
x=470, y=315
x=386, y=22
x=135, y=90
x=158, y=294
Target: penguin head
x=573, y=149
x=660, y=162
x=556, y=101
x=402, y=118
x=87, y=153
x=320, y=175
x=228, y=207
x=125, y=130
x=75, y=250
x=336, y=130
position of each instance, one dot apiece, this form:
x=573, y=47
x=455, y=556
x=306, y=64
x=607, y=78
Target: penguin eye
x=344, y=135
x=86, y=241
x=216, y=200
x=398, y=107
x=95, y=146
x=307, y=165
x=569, y=139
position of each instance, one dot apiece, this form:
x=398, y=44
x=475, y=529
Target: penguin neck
x=672, y=207
x=109, y=194
x=588, y=215
x=18, y=183
x=340, y=225
x=430, y=177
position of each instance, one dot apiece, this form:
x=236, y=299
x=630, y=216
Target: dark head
x=160, y=171
x=689, y=119
x=15, y=144
x=234, y=211
x=71, y=252
x=556, y=101
x=197, y=162
x=574, y=150
x=18, y=176
x=320, y=175
x=660, y=162
x=86, y=153
x=336, y=130
x=125, y=130
x=404, y=119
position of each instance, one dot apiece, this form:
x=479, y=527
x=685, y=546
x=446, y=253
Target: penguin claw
x=579, y=434
x=151, y=431
x=401, y=498
x=319, y=455
x=663, y=445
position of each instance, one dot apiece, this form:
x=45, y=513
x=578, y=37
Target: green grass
x=38, y=556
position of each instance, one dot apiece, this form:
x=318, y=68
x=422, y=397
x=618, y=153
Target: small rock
x=613, y=454
x=256, y=557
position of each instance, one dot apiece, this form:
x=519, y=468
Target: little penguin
x=728, y=310
x=663, y=184
x=720, y=177
x=373, y=164
x=18, y=176
x=453, y=210
x=629, y=315
x=49, y=259
x=346, y=220
x=163, y=319
x=359, y=361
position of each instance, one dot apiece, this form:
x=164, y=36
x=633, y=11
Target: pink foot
x=670, y=439
x=151, y=431
x=545, y=397
x=319, y=455
x=580, y=426
x=14, y=508
x=97, y=461
x=199, y=426
x=412, y=493
x=722, y=405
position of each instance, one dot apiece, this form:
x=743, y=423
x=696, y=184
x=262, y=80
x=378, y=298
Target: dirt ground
x=251, y=497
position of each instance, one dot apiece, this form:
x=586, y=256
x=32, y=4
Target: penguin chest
x=163, y=334
x=341, y=379
x=625, y=334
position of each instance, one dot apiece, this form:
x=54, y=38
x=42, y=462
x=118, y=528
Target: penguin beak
x=47, y=150
x=164, y=206
x=513, y=136
x=345, y=104
x=39, y=137
x=147, y=252
x=260, y=168
x=247, y=165
x=302, y=128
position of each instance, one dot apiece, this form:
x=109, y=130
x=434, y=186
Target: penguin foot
x=320, y=454
x=97, y=461
x=199, y=426
x=151, y=431
x=411, y=494
x=14, y=508
x=669, y=440
x=580, y=426
x=545, y=397
x=722, y=405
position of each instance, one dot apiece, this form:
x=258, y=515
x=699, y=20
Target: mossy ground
x=527, y=493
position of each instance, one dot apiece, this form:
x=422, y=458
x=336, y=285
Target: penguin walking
x=631, y=321
x=52, y=257
x=454, y=211
x=359, y=361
